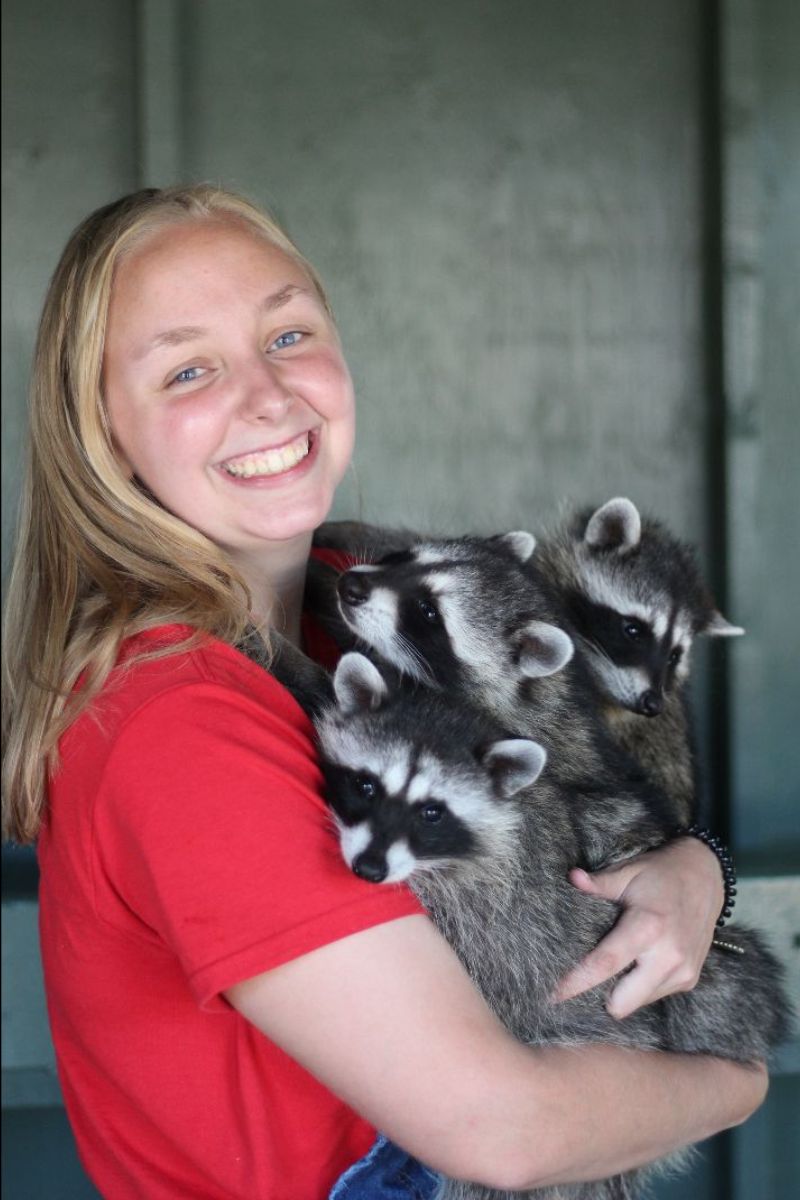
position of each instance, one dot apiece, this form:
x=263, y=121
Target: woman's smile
x=271, y=461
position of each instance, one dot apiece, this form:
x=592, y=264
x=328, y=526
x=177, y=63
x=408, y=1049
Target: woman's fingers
x=670, y=900
x=654, y=975
x=616, y=951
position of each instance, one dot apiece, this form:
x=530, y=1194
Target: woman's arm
x=389, y=1020
x=672, y=898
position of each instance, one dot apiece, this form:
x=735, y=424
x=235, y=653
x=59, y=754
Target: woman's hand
x=671, y=899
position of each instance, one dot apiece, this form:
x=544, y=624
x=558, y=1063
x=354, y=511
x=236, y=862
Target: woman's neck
x=276, y=580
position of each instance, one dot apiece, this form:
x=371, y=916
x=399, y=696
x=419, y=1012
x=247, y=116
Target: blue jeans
x=386, y=1173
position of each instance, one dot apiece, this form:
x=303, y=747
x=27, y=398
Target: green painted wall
x=762, y=329
x=562, y=241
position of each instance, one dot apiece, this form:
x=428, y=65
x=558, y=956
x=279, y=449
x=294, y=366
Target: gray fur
x=310, y=685
x=611, y=551
x=519, y=926
x=365, y=543
x=497, y=642
x=509, y=912
x=637, y=568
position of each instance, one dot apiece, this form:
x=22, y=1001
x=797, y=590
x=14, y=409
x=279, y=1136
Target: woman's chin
x=295, y=525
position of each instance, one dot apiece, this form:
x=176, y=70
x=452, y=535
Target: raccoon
x=366, y=543
x=309, y=683
x=633, y=600
x=437, y=795
x=462, y=614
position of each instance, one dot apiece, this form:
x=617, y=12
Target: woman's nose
x=266, y=396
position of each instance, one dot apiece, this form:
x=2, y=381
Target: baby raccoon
x=634, y=599
x=436, y=794
x=406, y=801
x=462, y=614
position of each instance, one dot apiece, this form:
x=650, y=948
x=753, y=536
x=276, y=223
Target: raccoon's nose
x=353, y=588
x=650, y=704
x=374, y=870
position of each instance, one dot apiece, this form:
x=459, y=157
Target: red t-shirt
x=187, y=847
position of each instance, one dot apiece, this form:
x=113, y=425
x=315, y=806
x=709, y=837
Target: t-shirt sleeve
x=210, y=829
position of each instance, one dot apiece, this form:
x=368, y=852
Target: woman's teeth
x=270, y=462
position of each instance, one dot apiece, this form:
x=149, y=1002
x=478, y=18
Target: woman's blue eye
x=291, y=338
x=187, y=375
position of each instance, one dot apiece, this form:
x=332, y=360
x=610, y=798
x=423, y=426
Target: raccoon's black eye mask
x=431, y=812
x=429, y=611
x=352, y=794
x=366, y=786
x=634, y=629
x=395, y=559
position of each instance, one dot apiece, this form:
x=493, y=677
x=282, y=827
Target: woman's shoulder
x=185, y=715
x=170, y=670
x=172, y=656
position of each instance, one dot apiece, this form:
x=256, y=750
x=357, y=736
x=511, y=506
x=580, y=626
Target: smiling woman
x=191, y=416
x=226, y=390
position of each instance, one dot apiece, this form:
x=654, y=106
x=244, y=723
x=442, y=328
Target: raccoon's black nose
x=353, y=588
x=374, y=870
x=650, y=704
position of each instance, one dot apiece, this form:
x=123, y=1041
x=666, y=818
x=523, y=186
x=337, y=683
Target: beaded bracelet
x=725, y=862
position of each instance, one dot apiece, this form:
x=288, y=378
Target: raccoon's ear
x=543, y=649
x=521, y=543
x=358, y=684
x=514, y=764
x=615, y=526
x=719, y=627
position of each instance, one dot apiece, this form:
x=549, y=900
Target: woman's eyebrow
x=172, y=337
x=283, y=295
x=187, y=333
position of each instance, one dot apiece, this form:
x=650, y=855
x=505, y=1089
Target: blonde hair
x=97, y=558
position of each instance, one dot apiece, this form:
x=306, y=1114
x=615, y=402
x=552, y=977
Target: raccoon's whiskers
x=595, y=647
x=417, y=657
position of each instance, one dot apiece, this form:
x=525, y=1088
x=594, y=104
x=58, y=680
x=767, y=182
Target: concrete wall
x=561, y=239
x=504, y=199
x=762, y=384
